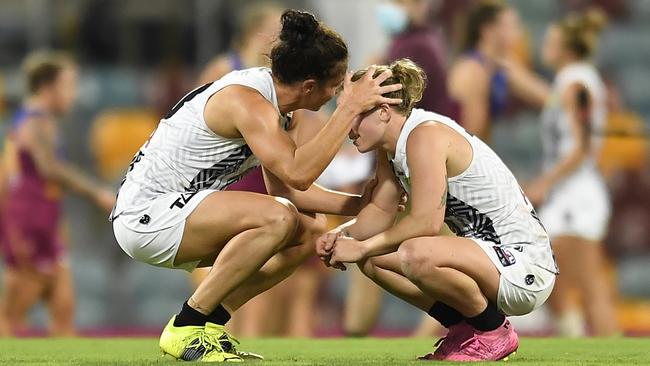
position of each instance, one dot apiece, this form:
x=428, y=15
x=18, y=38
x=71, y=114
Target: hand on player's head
x=367, y=92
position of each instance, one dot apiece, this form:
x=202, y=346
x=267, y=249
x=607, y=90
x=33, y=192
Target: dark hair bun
x=298, y=27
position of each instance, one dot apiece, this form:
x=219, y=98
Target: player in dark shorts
x=35, y=258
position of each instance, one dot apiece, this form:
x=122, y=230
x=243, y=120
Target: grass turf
x=376, y=352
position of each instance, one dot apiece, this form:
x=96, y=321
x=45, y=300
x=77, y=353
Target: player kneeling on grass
x=499, y=264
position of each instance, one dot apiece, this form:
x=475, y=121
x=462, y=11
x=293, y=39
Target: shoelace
x=205, y=340
x=230, y=341
x=439, y=342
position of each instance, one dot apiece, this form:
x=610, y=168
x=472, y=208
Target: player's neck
x=38, y=103
x=288, y=98
x=488, y=52
x=393, y=131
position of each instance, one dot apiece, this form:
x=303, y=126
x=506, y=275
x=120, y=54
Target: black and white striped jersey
x=183, y=155
x=484, y=202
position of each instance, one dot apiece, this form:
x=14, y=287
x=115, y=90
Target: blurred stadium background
x=138, y=57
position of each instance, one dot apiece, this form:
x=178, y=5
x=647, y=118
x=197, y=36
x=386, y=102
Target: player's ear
x=384, y=113
x=308, y=86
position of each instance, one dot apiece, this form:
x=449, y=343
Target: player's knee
x=366, y=266
x=319, y=225
x=412, y=258
x=282, y=218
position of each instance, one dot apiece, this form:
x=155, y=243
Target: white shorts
x=577, y=207
x=152, y=233
x=523, y=285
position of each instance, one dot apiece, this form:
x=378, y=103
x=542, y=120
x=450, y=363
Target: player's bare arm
x=257, y=122
x=40, y=140
x=427, y=155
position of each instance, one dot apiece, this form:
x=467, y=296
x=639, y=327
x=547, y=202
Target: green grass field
x=376, y=352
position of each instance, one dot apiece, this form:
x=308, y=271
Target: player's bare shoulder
x=236, y=107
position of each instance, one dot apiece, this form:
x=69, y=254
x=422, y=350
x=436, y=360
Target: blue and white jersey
x=185, y=156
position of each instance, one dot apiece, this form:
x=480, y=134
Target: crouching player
x=500, y=262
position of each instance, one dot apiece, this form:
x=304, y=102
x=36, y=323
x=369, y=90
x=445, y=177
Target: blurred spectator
x=407, y=22
x=37, y=268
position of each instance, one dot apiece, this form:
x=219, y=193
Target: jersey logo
x=505, y=257
x=529, y=279
x=466, y=221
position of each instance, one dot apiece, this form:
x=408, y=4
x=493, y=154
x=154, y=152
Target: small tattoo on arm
x=443, y=198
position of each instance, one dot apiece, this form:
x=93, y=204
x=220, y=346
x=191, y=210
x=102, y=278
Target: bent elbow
x=300, y=183
x=428, y=226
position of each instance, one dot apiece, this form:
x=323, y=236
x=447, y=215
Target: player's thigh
x=461, y=254
x=222, y=215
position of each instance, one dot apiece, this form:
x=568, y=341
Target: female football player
x=483, y=79
x=36, y=262
x=172, y=210
x=499, y=264
x=575, y=201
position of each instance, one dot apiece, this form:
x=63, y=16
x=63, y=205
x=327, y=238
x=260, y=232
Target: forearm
x=322, y=200
x=371, y=221
x=564, y=168
x=315, y=199
x=409, y=227
x=528, y=86
x=75, y=180
x=311, y=159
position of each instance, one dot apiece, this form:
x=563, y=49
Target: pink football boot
x=494, y=345
x=456, y=335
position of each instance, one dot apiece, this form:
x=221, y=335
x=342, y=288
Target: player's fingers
x=383, y=76
x=392, y=101
x=348, y=78
x=371, y=72
x=390, y=88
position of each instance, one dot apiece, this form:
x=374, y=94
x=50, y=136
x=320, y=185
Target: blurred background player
x=576, y=206
x=478, y=82
x=37, y=266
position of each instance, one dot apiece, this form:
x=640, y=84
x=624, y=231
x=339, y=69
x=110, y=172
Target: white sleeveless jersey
x=558, y=140
x=484, y=202
x=183, y=155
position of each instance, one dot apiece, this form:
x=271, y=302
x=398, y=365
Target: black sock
x=445, y=314
x=489, y=319
x=219, y=316
x=190, y=316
